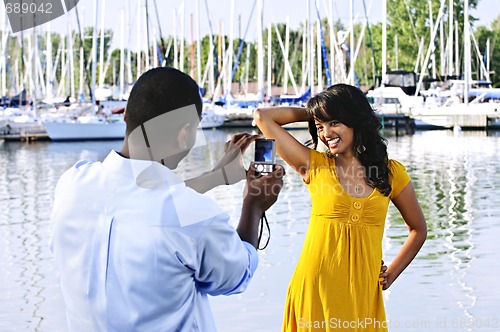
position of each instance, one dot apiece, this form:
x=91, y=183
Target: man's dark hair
x=158, y=91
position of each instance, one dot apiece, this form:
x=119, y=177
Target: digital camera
x=265, y=155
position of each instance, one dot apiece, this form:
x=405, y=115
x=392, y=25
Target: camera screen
x=264, y=151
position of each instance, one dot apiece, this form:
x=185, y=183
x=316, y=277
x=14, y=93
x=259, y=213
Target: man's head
x=158, y=91
x=163, y=112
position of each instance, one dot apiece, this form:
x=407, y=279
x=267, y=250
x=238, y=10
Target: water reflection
x=448, y=172
x=452, y=280
x=29, y=296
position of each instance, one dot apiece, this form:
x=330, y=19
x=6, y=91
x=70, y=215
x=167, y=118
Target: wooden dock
x=25, y=137
x=493, y=122
x=400, y=123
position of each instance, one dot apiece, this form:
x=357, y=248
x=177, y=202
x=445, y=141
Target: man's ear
x=182, y=136
x=125, y=114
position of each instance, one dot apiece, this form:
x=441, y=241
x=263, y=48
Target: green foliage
x=482, y=35
x=407, y=19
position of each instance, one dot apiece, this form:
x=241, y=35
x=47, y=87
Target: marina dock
x=25, y=137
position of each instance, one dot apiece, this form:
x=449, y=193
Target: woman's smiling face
x=338, y=137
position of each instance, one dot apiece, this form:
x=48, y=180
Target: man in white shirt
x=139, y=250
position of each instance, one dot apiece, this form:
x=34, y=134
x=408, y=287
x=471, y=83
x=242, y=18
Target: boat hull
x=446, y=117
x=72, y=131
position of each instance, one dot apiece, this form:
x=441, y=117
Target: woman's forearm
x=406, y=254
x=281, y=115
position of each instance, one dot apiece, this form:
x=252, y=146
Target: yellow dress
x=335, y=285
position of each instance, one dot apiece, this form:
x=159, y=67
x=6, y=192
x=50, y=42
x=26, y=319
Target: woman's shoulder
x=319, y=157
x=396, y=166
x=319, y=163
x=399, y=177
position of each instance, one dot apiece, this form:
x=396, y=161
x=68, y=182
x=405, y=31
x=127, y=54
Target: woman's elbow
x=422, y=232
x=258, y=115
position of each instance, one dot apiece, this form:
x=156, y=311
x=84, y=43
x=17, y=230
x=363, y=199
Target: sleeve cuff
x=253, y=257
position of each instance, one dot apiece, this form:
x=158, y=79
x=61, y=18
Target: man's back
x=138, y=250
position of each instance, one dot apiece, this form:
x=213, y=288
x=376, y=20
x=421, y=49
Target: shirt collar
x=147, y=174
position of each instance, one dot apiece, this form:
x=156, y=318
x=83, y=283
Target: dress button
x=354, y=217
x=357, y=205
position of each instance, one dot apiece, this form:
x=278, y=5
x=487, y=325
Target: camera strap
x=263, y=220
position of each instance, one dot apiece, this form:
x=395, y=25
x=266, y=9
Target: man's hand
x=231, y=163
x=229, y=170
x=262, y=191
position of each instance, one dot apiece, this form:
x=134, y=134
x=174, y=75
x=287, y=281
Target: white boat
x=85, y=128
x=17, y=121
x=392, y=100
x=237, y=116
x=481, y=90
x=212, y=116
x=473, y=115
x=396, y=95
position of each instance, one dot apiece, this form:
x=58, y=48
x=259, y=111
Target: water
x=452, y=285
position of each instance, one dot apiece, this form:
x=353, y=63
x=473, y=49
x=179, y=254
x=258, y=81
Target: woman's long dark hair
x=348, y=105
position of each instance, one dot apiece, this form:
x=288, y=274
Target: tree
x=482, y=35
x=409, y=20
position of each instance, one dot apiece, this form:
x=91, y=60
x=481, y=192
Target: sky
x=275, y=11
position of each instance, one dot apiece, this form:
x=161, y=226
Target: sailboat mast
x=384, y=39
x=147, y=61
x=191, y=47
x=35, y=69
x=450, y=38
x=229, y=66
x=174, y=22
x=442, y=55
x=129, y=55
x=396, y=51
x=94, y=50
x=162, y=41
x=181, y=41
x=48, y=65
x=319, y=55
x=71, y=68
x=310, y=48
x=148, y=39
x=304, y=54
x=287, y=51
x=82, y=57
x=457, y=50
x=467, y=57
x=122, y=54
x=198, y=43
x=269, y=55
x=487, y=54
x=138, y=40
x=260, y=50
x=3, y=61
x=433, y=54
x=332, y=42
x=101, y=45
x=429, y=49
x=351, y=42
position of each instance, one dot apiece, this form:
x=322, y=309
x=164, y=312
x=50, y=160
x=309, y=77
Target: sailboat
x=85, y=128
x=99, y=123
x=457, y=109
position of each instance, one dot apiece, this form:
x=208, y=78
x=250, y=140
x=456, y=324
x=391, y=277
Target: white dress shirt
x=137, y=250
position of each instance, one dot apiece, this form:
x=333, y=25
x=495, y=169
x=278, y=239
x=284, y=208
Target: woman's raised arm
x=270, y=119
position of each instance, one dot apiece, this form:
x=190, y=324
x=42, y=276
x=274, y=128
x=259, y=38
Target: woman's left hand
x=383, y=276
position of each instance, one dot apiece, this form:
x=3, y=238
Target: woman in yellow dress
x=338, y=281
